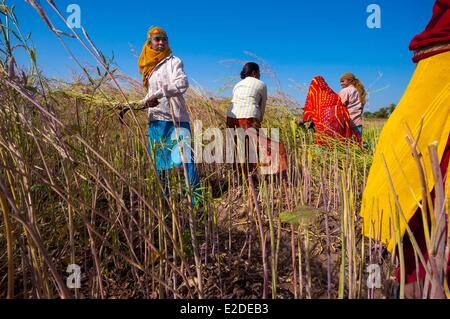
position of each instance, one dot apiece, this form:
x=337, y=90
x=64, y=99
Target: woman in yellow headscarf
x=423, y=115
x=168, y=119
x=152, y=56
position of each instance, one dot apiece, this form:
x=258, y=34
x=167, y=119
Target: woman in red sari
x=330, y=116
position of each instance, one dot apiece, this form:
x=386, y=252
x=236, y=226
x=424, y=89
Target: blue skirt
x=163, y=144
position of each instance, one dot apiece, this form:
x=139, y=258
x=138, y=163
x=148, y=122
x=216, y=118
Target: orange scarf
x=149, y=59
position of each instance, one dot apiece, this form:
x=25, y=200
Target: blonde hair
x=358, y=85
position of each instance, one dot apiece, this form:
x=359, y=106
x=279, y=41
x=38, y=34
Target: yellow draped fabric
x=149, y=59
x=426, y=101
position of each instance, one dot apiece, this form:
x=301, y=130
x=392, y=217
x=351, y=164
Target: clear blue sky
x=300, y=39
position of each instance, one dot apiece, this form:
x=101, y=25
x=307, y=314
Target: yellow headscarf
x=150, y=58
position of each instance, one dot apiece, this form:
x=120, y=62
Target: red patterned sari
x=330, y=116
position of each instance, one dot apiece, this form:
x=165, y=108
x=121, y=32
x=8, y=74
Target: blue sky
x=299, y=39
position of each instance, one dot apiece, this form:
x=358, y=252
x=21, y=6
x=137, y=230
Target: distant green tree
x=391, y=108
x=382, y=113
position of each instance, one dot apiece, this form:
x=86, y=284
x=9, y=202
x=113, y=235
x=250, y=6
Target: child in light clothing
x=353, y=96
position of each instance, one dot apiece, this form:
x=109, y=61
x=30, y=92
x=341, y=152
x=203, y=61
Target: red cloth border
x=436, y=32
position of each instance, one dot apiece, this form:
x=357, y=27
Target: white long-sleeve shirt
x=168, y=80
x=350, y=97
x=249, y=99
